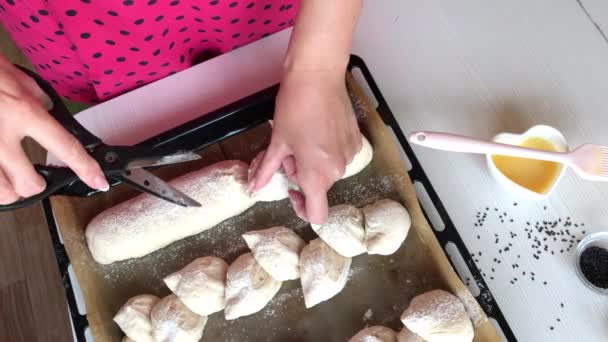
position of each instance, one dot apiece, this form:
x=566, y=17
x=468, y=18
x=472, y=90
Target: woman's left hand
x=315, y=135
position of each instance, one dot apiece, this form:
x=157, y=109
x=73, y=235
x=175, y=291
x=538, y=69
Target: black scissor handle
x=61, y=113
x=56, y=177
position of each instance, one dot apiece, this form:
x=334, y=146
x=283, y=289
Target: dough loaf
x=172, y=321
x=386, y=226
x=323, y=272
x=343, y=231
x=277, y=250
x=200, y=285
x=405, y=335
x=133, y=318
x=248, y=287
x=376, y=333
x=438, y=316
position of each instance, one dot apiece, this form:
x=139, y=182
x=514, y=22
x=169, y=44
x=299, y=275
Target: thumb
x=315, y=193
x=271, y=162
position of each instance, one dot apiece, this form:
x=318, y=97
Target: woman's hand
x=315, y=135
x=23, y=112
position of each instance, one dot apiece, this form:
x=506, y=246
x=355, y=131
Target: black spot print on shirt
x=131, y=73
x=166, y=64
x=159, y=18
x=218, y=30
x=149, y=38
x=179, y=17
x=98, y=22
x=156, y=52
x=214, y=2
x=134, y=49
x=144, y=63
x=54, y=82
x=282, y=24
x=86, y=66
x=34, y=18
x=202, y=30
x=118, y=84
x=198, y=20
x=216, y=17
x=234, y=21
x=139, y=82
x=251, y=35
x=289, y=6
x=139, y=21
x=73, y=48
x=190, y=50
x=265, y=35
x=120, y=59
x=204, y=40
x=110, y=42
x=10, y=2
x=151, y=2
x=251, y=4
x=183, y=29
x=236, y=35
x=174, y=3
x=77, y=73
x=59, y=33
x=128, y=2
x=50, y=39
x=171, y=45
x=86, y=1
x=107, y=93
x=112, y=13
x=25, y=25
x=108, y=72
x=85, y=35
x=219, y=40
x=267, y=21
x=71, y=13
x=65, y=57
x=152, y=73
x=69, y=77
x=97, y=54
x=172, y=73
x=196, y=8
x=187, y=40
x=251, y=21
x=233, y=4
x=125, y=32
x=182, y=59
x=282, y=8
x=267, y=7
x=56, y=61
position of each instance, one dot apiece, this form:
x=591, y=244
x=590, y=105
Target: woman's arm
x=315, y=130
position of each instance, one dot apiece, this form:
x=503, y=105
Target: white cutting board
x=472, y=67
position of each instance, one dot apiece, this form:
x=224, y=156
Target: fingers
x=270, y=164
x=289, y=166
x=315, y=195
x=18, y=169
x=67, y=148
x=298, y=203
x=7, y=194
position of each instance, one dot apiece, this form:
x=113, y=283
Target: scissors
x=119, y=163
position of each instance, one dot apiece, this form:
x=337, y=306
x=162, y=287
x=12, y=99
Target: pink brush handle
x=459, y=143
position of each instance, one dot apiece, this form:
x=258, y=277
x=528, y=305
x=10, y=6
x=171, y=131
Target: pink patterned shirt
x=93, y=50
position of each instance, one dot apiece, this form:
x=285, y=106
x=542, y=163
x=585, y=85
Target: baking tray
x=394, y=277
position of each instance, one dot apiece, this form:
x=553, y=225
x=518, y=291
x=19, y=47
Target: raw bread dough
x=343, y=230
x=145, y=223
x=200, y=285
x=376, y=333
x=386, y=226
x=277, y=250
x=323, y=272
x=405, y=335
x=438, y=316
x=127, y=339
x=133, y=318
x=360, y=160
x=172, y=321
x=248, y=287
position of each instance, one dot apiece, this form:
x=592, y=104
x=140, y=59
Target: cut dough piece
x=361, y=159
x=146, y=223
x=172, y=321
x=277, y=250
x=323, y=272
x=386, y=226
x=276, y=189
x=343, y=230
x=405, y=335
x=133, y=318
x=248, y=287
x=438, y=316
x=376, y=333
x=200, y=285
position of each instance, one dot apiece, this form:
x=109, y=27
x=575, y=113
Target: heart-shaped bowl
x=555, y=137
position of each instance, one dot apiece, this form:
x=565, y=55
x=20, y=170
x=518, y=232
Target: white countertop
x=470, y=67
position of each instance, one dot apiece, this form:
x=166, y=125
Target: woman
x=92, y=50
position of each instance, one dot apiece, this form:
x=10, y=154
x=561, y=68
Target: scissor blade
x=178, y=157
x=147, y=182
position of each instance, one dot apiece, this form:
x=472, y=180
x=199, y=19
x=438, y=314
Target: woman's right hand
x=23, y=112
